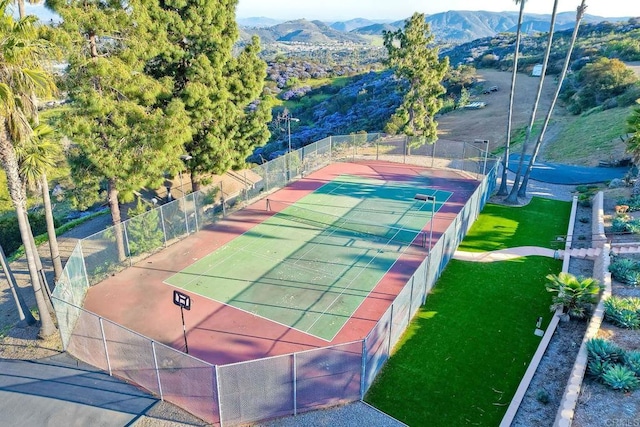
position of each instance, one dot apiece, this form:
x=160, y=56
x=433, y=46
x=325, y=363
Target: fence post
x=217, y=386
x=427, y=270
x=464, y=149
x=433, y=152
x=126, y=239
x=155, y=364
x=246, y=187
x=363, y=371
x=404, y=149
x=184, y=210
x=84, y=265
x=330, y=148
x=295, y=385
x=224, y=208
x=390, y=329
x=104, y=343
x=195, y=210
x=164, y=230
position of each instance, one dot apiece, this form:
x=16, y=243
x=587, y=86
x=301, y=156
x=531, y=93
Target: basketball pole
x=184, y=330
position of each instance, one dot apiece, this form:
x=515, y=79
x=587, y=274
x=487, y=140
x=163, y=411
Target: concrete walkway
x=505, y=254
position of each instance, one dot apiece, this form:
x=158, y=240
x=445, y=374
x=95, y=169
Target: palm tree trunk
x=567, y=60
x=514, y=194
x=51, y=230
x=116, y=218
x=23, y=310
x=18, y=198
x=41, y=273
x=502, y=191
x=21, y=12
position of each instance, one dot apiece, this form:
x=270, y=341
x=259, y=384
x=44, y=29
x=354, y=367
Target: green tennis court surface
x=312, y=264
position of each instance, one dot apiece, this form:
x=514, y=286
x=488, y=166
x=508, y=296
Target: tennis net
x=354, y=228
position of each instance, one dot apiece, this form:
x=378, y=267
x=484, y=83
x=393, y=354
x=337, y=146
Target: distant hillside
x=303, y=31
x=352, y=24
x=610, y=39
x=375, y=29
x=258, y=22
x=450, y=27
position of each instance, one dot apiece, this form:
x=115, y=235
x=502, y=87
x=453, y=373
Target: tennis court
x=310, y=265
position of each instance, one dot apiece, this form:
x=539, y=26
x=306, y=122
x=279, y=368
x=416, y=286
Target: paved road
x=555, y=173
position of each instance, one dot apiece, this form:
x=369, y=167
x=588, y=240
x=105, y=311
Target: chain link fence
x=251, y=391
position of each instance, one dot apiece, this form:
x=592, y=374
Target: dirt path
x=490, y=122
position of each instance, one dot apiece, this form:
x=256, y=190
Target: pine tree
x=222, y=92
x=126, y=129
x=414, y=57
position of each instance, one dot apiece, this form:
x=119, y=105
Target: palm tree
x=502, y=191
x=35, y=157
x=573, y=296
x=513, y=195
x=21, y=11
x=579, y=14
x=23, y=311
x=21, y=79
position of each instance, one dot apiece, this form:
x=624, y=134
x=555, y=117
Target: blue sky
x=400, y=9
x=332, y=10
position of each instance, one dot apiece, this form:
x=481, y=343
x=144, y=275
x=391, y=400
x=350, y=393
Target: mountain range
x=447, y=27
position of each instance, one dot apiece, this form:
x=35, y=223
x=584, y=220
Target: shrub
x=543, y=396
x=632, y=361
x=597, y=368
x=584, y=199
x=604, y=350
x=625, y=224
x=623, y=312
x=625, y=270
x=574, y=296
x=632, y=202
x=10, y=239
x=619, y=377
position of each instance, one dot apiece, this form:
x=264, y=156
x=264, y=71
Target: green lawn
x=463, y=356
x=500, y=227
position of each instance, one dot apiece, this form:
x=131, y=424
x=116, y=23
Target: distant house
x=537, y=70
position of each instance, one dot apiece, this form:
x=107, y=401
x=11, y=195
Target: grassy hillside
x=588, y=138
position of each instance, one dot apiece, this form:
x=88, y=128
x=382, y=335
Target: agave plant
x=625, y=270
x=597, y=367
x=604, y=350
x=623, y=312
x=573, y=296
x=619, y=377
x=632, y=361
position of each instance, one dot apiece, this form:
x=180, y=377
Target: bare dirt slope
x=490, y=122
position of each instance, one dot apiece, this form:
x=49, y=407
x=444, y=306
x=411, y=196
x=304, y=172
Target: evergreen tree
x=222, y=92
x=414, y=57
x=126, y=129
